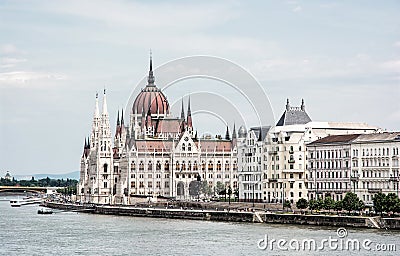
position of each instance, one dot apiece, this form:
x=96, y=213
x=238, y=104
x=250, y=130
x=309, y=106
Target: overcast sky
x=342, y=57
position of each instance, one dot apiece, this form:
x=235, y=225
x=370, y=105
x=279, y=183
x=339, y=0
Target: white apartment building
x=250, y=161
x=285, y=166
x=364, y=164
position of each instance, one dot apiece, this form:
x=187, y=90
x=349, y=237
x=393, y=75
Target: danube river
x=24, y=232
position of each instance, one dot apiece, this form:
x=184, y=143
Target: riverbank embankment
x=256, y=216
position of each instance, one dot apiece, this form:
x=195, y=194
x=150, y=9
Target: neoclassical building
x=273, y=160
x=155, y=155
x=365, y=164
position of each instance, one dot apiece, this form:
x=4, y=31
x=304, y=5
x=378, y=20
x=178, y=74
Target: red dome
x=151, y=97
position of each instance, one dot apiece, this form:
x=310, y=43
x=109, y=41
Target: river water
x=24, y=232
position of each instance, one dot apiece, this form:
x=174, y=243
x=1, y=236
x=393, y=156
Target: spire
x=150, y=78
x=189, y=115
x=118, y=123
x=234, y=132
x=182, y=111
x=105, y=103
x=287, y=105
x=88, y=142
x=227, y=133
x=303, y=107
x=96, y=108
x=122, y=117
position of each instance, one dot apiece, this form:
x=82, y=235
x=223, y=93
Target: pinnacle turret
x=189, y=115
x=227, y=137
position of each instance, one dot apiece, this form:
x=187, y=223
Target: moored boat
x=19, y=202
x=45, y=211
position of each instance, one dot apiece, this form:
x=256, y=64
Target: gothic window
x=105, y=166
x=189, y=166
x=183, y=165
x=166, y=166
x=150, y=166
x=105, y=184
x=190, y=147
x=133, y=165
x=195, y=167
x=183, y=147
x=177, y=166
x=218, y=166
x=141, y=166
x=210, y=165
x=226, y=166
x=158, y=166
x=203, y=165
x=235, y=166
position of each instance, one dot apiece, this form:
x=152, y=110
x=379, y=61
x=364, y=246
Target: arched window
x=166, y=166
x=150, y=166
x=141, y=166
x=158, y=166
x=190, y=147
x=105, y=166
x=210, y=166
x=195, y=167
x=183, y=166
x=219, y=166
x=183, y=147
x=133, y=165
x=227, y=167
x=203, y=165
x=177, y=166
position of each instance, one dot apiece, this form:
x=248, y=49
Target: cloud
x=397, y=44
x=8, y=49
x=144, y=15
x=297, y=9
x=23, y=77
x=10, y=62
x=392, y=65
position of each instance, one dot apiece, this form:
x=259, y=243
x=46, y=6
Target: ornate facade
x=155, y=155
